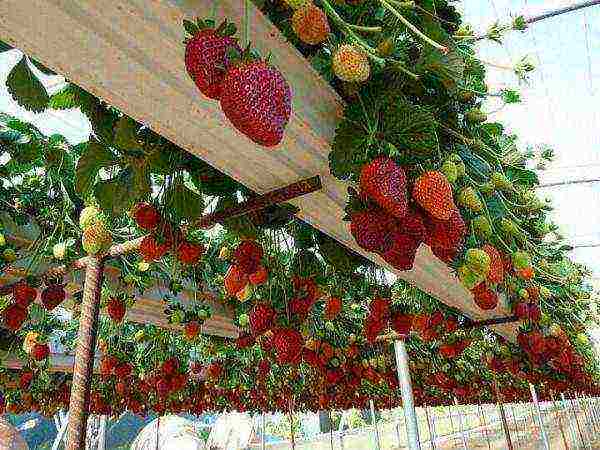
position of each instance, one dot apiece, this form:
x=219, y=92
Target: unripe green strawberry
x=523, y=293
x=450, y=171
x=521, y=260
x=460, y=165
x=2, y=240
x=469, y=198
x=583, y=339
x=545, y=293
x=478, y=261
x=9, y=255
x=501, y=182
x=203, y=314
x=475, y=115
x=143, y=266
x=244, y=320
x=329, y=325
x=468, y=278
x=88, y=216
x=482, y=227
x=386, y=47
x=178, y=317
x=96, y=238
x=59, y=250
x=487, y=188
x=140, y=336
x=509, y=227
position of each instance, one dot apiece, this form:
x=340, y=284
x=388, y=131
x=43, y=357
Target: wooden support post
x=499, y=401
x=84, y=355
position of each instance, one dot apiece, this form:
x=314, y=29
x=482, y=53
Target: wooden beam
x=129, y=53
x=59, y=362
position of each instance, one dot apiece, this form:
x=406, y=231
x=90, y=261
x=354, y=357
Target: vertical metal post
x=408, y=404
x=539, y=417
x=330, y=428
x=461, y=424
x=581, y=434
x=342, y=440
x=84, y=355
x=505, y=426
x=374, y=421
x=565, y=406
x=559, y=420
x=102, y=433
x=263, y=432
x=430, y=426
x=586, y=418
x=482, y=422
x=514, y=417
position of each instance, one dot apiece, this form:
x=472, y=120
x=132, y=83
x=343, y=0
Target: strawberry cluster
x=384, y=222
x=287, y=344
x=163, y=237
x=246, y=270
x=262, y=318
x=15, y=314
x=254, y=96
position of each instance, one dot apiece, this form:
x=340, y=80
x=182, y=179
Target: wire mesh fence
x=569, y=424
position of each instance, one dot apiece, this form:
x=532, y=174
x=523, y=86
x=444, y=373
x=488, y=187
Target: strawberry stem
x=413, y=28
x=213, y=10
x=246, y=24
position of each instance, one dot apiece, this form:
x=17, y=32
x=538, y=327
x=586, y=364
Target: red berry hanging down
x=206, y=55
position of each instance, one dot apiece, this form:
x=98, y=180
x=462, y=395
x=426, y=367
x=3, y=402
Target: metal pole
x=586, y=418
x=410, y=416
x=565, y=406
x=263, y=429
x=482, y=421
x=505, y=426
x=559, y=420
x=461, y=424
x=539, y=416
x=581, y=434
x=374, y=421
x=514, y=416
x=430, y=426
x=102, y=433
x=84, y=355
x=330, y=428
x=398, y=434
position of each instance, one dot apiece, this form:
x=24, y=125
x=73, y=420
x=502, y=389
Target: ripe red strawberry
x=402, y=323
x=116, y=309
x=152, y=250
x=123, y=370
x=192, y=330
x=484, y=297
x=53, y=296
x=188, y=253
x=413, y=225
x=206, y=57
x=14, y=316
x=402, y=254
x=24, y=295
x=163, y=388
x=434, y=193
x=40, y=352
x=257, y=101
x=333, y=307
x=371, y=229
x=146, y=216
x=447, y=234
x=169, y=367
x=108, y=365
x=288, y=345
x=261, y=318
x=214, y=370
x=247, y=256
x=496, y=274
x=384, y=182
x=235, y=280
x=259, y=277
x=25, y=379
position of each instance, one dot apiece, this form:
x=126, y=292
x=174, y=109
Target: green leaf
x=126, y=133
x=4, y=47
x=510, y=96
x=64, y=99
x=448, y=67
x=522, y=176
x=496, y=208
x=190, y=27
x=306, y=264
x=349, y=151
x=95, y=157
x=25, y=88
x=116, y=195
x=408, y=127
x=182, y=201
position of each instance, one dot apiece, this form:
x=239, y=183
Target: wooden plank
x=129, y=53
x=59, y=362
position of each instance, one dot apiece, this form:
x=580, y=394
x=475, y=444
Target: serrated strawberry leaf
x=93, y=159
x=190, y=27
x=25, y=88
x=182, y=202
